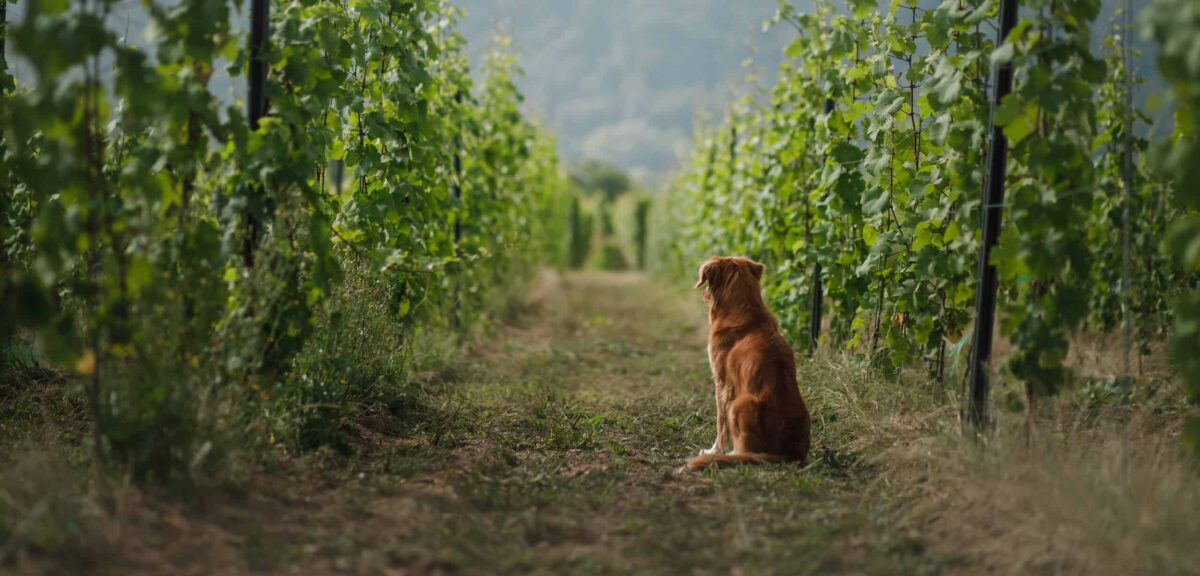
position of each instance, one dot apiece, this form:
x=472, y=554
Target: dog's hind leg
x=746, y=427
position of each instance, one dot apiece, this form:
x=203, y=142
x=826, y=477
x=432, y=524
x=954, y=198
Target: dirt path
x=551, y=448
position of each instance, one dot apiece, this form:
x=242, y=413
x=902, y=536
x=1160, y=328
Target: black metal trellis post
x=457, y=191
x=814, y=327
x=339, y=172
x=260, y=15
x=1127, y=178
x=3, y=40
x=818, y=293
x=733, y=138
x=992, y=212
x=457, y=186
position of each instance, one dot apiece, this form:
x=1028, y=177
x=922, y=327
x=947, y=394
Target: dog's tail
x=702, y=461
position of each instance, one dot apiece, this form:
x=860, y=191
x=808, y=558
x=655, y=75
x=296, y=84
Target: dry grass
x=1092, y=492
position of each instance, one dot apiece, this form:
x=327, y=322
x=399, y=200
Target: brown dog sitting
x=759, y=406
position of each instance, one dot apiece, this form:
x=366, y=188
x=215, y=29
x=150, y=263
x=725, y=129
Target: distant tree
x=599, y=177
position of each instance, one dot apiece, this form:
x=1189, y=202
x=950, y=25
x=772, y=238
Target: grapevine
x=881, y=195
x=1172, y=24
x=192, y=268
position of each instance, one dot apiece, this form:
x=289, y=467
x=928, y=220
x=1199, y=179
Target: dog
x=759, y=407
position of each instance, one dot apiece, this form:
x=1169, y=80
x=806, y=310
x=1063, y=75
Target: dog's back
x=759, y=403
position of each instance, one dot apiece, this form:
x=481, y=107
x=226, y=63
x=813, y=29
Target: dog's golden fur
x=759, y=408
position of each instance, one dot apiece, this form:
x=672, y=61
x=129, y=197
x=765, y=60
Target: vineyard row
x=209, y=278
x=858, y=183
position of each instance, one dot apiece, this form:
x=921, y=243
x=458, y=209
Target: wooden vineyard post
x=260, y=15
x=992, y=211
x=818, y=290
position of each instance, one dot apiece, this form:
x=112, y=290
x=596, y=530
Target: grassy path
x=549, y=448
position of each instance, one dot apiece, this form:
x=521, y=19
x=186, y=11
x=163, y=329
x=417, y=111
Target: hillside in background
x=623, y=80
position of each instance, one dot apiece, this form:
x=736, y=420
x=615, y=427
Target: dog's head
x=729, y=278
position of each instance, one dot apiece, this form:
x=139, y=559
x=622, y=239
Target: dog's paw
x=707, y=451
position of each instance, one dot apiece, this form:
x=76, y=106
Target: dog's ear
x=702, y=274
x=757, y=269
x=710, y=273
